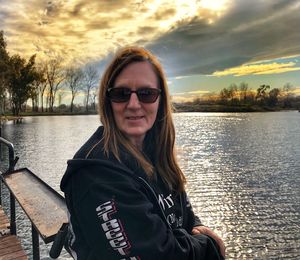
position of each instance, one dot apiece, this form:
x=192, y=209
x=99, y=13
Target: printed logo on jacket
x=113, y=229
x=167, y=203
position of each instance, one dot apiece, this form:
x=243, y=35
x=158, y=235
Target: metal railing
x=14, y=180
x=12, y=163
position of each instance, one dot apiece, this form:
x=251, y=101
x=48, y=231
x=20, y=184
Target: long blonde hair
x=162, y=134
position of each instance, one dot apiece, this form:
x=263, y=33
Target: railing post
x=0, y=143
x=35, y=244
x=13, y=227
x=1, y=159
x=0, y=191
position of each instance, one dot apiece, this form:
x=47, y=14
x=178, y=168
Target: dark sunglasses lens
x=119, y=94
x=148, y=95
x=145, y=95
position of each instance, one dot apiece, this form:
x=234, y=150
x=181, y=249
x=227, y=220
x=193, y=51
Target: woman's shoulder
x=93, y=147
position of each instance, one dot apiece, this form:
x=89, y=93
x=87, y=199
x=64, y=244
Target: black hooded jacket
x=116, y=212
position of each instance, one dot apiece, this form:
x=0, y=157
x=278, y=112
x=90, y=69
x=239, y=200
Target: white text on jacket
x=113, y=228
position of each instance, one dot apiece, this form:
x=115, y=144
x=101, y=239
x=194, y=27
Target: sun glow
x=214, y=5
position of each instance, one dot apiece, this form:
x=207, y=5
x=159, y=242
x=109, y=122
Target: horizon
x=204, y=46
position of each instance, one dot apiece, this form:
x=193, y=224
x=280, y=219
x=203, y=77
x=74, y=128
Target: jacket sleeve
x=118, y=221
x=192, y=220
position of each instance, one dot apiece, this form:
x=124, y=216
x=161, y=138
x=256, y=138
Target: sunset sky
x=204, y=46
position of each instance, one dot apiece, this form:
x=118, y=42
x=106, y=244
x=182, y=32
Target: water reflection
x=243, y=172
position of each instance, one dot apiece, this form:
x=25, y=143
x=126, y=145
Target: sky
x=203, y=45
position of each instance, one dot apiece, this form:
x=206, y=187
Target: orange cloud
x=88, y=29
x=258, y=69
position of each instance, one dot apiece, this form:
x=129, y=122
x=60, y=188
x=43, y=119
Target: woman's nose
x=133, y=101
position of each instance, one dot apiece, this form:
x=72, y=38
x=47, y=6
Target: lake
x=243, y=172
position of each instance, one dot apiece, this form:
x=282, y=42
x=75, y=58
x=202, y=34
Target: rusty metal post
x=1, y=158
x=0, y=191
x=35, y=244
x=13, y=227
x=1, y=154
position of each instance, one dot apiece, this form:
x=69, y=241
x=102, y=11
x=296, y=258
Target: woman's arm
x=207, y=231
x=199, y=228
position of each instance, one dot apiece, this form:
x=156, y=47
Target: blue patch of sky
x=295, y=59
x=215, y=84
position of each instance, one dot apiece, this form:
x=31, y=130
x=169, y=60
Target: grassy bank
x=6, y=118
x=223, y=108
x=24, y=114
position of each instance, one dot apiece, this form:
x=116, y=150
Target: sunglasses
x=145, y=95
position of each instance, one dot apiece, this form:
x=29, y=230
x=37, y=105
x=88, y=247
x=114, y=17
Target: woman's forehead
x=137, y=73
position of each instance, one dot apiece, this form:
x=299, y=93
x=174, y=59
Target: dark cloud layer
x=249, y=31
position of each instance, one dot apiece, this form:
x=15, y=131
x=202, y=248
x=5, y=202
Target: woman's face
x=135, y=118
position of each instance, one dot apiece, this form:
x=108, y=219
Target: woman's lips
x=134, y=117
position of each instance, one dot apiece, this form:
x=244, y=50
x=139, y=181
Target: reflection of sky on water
x=243, y=172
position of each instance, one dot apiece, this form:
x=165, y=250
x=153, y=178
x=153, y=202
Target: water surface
x=243, y=172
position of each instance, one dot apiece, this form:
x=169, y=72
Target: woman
x=124, y=189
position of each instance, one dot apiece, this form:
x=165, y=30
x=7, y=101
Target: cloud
x=246, y=32
x=163, y=14
x=258, y=69
x=146, y=30
x=182, y=99
x=89, y=29
x=188, y=96
x=190, y=37
x=297, y=91
x=98, y=25
x=198, y=92
x=181, y=77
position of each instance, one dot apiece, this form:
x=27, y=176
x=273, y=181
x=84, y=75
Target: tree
x=287, y=94
x=232, y=91
x=261, y=93
x=94, y=95
x=287, y=88
x=4, y=67
x=224, y=95
x=73, y=78
x=243, y=89
x=229, y=94
x=41, y=84
x=38, y=88
x=33, y=95
x=55, y=76
x=60, y=97
x=20, y=79
x=89, y=82
x=273, y=97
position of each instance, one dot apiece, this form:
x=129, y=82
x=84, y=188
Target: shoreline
x=228, y=109
x=177, y=109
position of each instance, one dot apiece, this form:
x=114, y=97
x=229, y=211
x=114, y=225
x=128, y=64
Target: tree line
x=243, y=98
x=262, y=96
x=42, y=83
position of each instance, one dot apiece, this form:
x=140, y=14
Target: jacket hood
x=93, y=165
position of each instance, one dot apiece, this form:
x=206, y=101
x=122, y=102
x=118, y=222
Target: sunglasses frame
x=157, y=90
